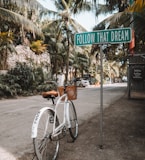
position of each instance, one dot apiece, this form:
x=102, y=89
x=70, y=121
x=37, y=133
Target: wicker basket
x=71, y=92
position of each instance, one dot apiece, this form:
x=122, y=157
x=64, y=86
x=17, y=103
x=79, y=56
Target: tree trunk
x=67, y=58
x=3, y=60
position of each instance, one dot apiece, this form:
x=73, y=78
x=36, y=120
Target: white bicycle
x=46, y=128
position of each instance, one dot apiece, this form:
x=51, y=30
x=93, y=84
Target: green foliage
x=5, y=91
x=6, y=47
x=39, y=75
x=23, y=81
x=46, y=87
x=23, y=75
x=38, y=47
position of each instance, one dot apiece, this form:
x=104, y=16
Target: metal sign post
x=101, y=99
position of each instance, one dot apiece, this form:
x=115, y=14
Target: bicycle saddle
x=50, y=94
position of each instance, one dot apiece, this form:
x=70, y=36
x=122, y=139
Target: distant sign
x=113, y=36
x=137, y=73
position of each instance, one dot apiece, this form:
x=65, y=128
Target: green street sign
x=113, y=36
x=131, y=2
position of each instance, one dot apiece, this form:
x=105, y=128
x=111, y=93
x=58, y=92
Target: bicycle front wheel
x=73, y=130
x=45, y=148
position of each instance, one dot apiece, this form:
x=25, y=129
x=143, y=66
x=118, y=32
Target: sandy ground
x=123, y=135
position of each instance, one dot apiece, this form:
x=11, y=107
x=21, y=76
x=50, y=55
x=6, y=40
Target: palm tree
x=66, y=26
x=6, y=46
x=54, y=38
x=80, y=63
x=13, y=26
x=111, y=70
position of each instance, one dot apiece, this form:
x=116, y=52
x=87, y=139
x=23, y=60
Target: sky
x=86, y=19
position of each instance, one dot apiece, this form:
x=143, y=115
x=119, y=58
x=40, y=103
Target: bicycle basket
x=71, y=92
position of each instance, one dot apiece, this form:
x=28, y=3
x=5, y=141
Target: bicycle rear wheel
x=73, y=130
x=45, y=148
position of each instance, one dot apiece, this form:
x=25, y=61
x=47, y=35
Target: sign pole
x=101, y=99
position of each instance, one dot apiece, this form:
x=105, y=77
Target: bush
x=23, y=75
x=6, y=91
x=38, y=77
x=46, y=87
x=23, y=81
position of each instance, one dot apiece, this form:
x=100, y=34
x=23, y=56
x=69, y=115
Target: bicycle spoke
x=73, y=121
x=45, y=147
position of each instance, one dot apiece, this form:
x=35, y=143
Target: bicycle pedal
x=51, y=119
x=64, y=132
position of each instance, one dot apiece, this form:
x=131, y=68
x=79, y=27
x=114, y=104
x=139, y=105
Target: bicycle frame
x=66, y=122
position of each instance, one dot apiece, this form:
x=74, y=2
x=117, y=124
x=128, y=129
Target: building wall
x=25, y=54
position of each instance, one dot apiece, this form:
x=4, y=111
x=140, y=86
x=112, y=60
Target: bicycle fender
x=36, y=121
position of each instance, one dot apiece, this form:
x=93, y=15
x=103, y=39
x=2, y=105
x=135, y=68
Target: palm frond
x=102, y=9
x=17, y=19
x=77, y=26
x=115, y=21
x=138, y=6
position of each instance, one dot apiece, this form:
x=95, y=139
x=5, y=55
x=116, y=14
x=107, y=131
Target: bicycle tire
x=73, y=130
x=44, y=147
